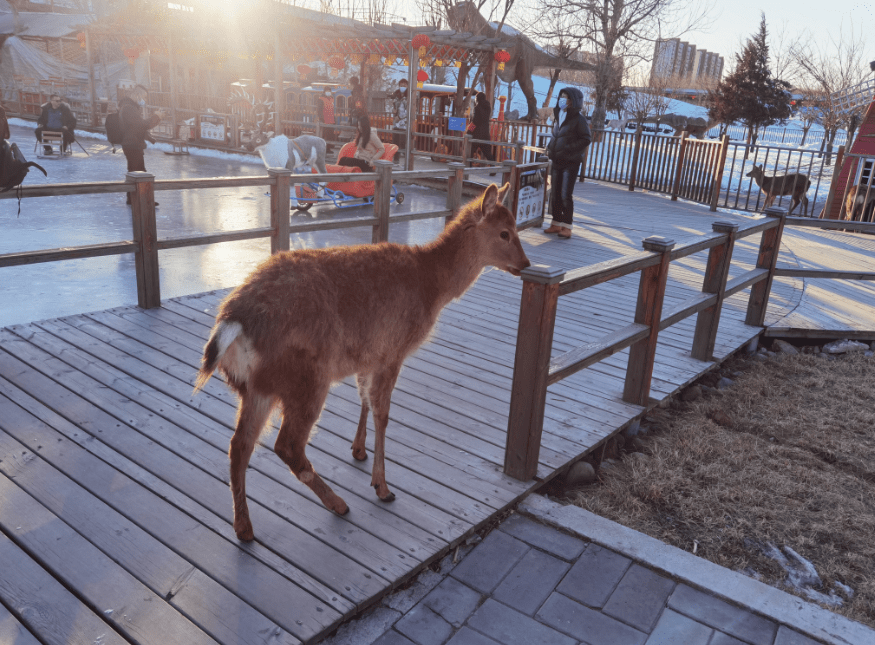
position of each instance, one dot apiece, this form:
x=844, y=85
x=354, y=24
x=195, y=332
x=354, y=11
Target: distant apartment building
x=681, y=60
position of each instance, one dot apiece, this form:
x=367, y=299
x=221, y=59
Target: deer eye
x=505, y=236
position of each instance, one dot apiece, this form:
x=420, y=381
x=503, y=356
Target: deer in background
x=860, y=203
x=795, y=184
x=306, y=319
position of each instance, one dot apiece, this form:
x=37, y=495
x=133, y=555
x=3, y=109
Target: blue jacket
x=572, y=136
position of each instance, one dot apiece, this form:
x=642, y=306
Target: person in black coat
x=56, y=116
x=570, y=138
x=482, y=114
x=136, y=129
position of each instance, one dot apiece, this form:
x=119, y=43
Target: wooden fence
x=534, y=370
x=145, y=244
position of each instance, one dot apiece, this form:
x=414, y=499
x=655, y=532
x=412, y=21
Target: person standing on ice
x=136, y=129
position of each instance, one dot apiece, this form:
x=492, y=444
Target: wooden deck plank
x=219, y=613
x=126, y=604
x=12, y=631
x=45, y=606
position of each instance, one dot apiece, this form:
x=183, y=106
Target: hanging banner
x=457, y=124
x=212, y=128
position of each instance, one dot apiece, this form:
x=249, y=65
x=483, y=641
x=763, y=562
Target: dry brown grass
x=795, y=468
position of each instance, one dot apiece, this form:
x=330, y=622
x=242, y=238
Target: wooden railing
x=146, y=245
x=534, y=370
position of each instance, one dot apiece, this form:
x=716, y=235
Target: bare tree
x=625, y=28
x=646, y=97
x=827, y=69
x=554, y=30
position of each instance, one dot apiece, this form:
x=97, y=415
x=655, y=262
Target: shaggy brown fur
x=306, y=319
x=855, y=209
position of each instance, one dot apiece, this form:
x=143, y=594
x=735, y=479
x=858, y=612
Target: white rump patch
x=228, y=332
x=275, y=153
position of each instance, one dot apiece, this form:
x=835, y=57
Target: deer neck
x=452, y=265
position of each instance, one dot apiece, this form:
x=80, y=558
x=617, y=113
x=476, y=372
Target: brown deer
x=306, y=319
x=794, y=183
x=860, y=203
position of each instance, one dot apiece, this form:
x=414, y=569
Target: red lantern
x=304, y=70
x=337, y=62
x=421, y=40
x=502, y=57
x=81, y=38
x=421, y=76
x=133, y=54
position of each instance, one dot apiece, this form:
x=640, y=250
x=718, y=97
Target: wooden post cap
x=509, y=162
x=456, y=165
x=542, y=274
x=137, y=176
x=279, y=171
x=724, y=227
x=775, y=211
x=658, y=244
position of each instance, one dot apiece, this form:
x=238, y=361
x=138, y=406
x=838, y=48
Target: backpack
x=114, y=132
x=13, y=166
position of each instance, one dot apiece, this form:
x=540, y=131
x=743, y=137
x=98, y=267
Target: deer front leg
x=251, y=417
x=380, y=398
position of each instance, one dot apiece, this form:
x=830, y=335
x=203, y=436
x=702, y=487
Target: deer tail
x=225, y=333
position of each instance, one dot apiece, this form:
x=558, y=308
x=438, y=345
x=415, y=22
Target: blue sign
x=458, y=123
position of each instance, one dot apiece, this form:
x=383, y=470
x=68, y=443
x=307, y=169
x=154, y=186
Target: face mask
x=327, y=93
x=403, y=89
x=563, y=103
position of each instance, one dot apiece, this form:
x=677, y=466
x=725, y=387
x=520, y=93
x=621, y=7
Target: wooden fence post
x=280, y=208
x=382, y=200
x=651, y=291
x=466, y=150
x=716, y=272
x=508, y=175
x=145, y=235
x=454, y=189
x=718, y=176
x=679, y=168
x=770, y=245
x=633, y=172
x=518, y=151
x=528, y=393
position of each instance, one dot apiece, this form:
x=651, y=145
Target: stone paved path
x=558, y=575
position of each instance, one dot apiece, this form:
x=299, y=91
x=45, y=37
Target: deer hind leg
x=300, y=413
x=252, y=414
x=380, y=396
x=358, y=445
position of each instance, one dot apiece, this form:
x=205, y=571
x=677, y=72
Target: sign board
x=212, y=128
x=531, y=193
x=457, y=124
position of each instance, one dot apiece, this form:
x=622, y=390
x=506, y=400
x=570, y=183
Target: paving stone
x=594, y=576
x=787, y=636
x=725, y=639
x=719, y=614
x=543, y=537
x=490, y=561
x=639, y=598
x=587, y=624
x=393, y=638
x=453, y=601
x=467, y=636
x=531, y=581
x=675, y=629
x=424, y=627
x=510, y=627
x=365, y=630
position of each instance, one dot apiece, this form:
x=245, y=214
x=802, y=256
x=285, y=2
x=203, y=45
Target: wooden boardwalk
x=115, y=513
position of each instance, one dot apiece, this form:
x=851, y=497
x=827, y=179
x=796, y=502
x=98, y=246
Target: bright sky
x=737, y=20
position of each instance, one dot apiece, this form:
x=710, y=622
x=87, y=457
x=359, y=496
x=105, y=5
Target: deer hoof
x=360, y=454
x=388, y=497
x=341, y=509
x=245, y=534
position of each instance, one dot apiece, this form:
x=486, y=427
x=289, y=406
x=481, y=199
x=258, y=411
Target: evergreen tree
x=750, y=94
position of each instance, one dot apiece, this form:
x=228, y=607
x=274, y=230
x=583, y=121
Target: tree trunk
x=554, y=78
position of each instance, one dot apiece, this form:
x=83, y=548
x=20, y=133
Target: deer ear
x=502, y=193
x=490, y=197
